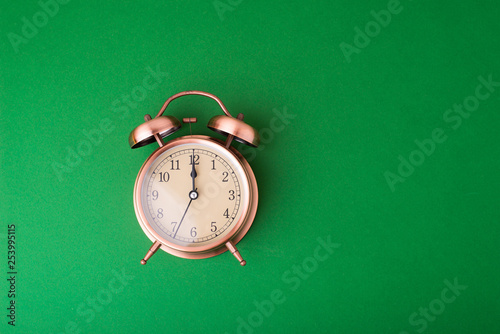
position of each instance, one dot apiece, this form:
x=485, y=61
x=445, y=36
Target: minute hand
x=184, y=215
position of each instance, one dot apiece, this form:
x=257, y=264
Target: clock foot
x=151, y=252
x=232, y=248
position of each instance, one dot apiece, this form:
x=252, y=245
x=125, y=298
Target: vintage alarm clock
x=195, y=196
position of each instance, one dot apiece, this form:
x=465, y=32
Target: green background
x=322, y=174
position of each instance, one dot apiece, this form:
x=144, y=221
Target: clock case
x=154, y=130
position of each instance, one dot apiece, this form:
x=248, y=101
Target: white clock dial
x=196, y=207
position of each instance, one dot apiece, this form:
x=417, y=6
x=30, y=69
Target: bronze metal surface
x=237, y=232
x=241, y=131
x=193, y=92
x=145, y=133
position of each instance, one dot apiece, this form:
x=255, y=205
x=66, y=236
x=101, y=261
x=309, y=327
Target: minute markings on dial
x=177, y=234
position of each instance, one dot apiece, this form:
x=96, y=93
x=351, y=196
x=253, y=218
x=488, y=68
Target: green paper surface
x=378, y=170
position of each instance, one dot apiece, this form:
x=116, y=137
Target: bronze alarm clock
x=195, y=196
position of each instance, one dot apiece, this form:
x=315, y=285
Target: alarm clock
x=195, y=196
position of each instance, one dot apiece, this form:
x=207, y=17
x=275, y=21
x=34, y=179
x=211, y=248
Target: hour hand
x=193, y=194
x=193, y=174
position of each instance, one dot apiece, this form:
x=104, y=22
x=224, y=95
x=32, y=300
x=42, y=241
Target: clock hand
x=193, y=176
x=184, y=215
x=193, y=171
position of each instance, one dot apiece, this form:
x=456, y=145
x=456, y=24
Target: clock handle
x=193, y=92
x=232, y=248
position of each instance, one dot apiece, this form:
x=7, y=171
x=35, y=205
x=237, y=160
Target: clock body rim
x=238, y=231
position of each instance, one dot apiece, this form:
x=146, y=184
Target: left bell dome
x=144, y=134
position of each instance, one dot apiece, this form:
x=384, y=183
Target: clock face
x=194, y=194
